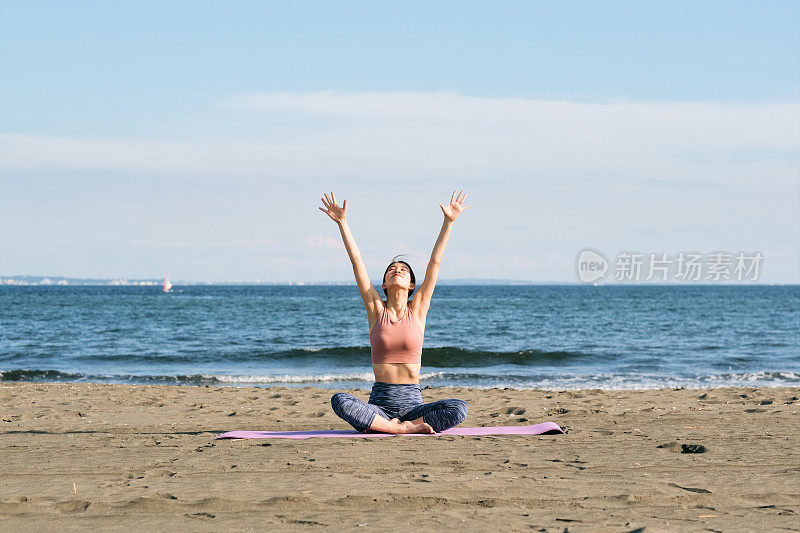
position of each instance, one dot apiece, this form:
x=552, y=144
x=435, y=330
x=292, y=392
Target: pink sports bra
x=399, y=342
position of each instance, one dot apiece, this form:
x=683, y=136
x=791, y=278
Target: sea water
x=520, y=336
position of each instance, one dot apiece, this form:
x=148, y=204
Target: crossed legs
x=441, y=415
x=424, y=418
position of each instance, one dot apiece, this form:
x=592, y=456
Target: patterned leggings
x=397, y=400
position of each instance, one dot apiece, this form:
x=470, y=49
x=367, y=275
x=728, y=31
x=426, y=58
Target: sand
x=76, y=456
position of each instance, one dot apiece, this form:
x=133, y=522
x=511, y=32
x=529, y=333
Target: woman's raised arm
x=422, y=300
x=337, y=214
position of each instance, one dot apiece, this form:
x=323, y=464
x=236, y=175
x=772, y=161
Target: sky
x=197, y=138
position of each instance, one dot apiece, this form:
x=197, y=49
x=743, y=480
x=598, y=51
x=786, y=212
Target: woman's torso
x=394, y=372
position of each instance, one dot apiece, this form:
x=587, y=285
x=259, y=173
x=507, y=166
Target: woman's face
x=398, y=275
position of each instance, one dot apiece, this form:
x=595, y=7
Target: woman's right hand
x=336, y=213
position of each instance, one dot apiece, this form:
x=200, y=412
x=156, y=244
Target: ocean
x=519, y=336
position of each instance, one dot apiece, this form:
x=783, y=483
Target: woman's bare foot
x=411, y=427
x=395, y=426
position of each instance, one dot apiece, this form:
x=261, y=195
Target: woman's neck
x=397, y=302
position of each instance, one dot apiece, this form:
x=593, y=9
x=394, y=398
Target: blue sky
x=197, y=139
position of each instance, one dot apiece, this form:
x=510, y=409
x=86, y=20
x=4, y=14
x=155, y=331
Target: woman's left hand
x=455, y=207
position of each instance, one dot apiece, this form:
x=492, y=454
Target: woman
x=397, y=328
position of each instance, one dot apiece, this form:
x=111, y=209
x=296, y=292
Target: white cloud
x=613, y=175
x=447, y=135
x=511, y=264
x=555, y=259
x=255, y=242
x=322, y=241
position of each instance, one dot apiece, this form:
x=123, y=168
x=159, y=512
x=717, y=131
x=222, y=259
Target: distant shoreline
x=153, y=282
x=63, y=280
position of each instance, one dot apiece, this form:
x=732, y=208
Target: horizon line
x=28, y=280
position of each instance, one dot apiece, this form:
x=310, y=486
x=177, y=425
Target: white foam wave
x=756, y=376
x=642, y=382
x=308, y=378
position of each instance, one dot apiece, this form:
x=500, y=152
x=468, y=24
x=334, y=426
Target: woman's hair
x=410, y=271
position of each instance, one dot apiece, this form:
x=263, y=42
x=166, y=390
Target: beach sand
x=76, y=456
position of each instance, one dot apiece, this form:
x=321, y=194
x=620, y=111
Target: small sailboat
x=167, y=284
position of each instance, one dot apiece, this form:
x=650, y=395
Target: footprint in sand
x=515, y=411
x=71, y=506
x=202, y=516
x=159, y=472
x=673, y=447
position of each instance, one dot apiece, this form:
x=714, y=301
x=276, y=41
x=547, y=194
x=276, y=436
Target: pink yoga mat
x=536, y=429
